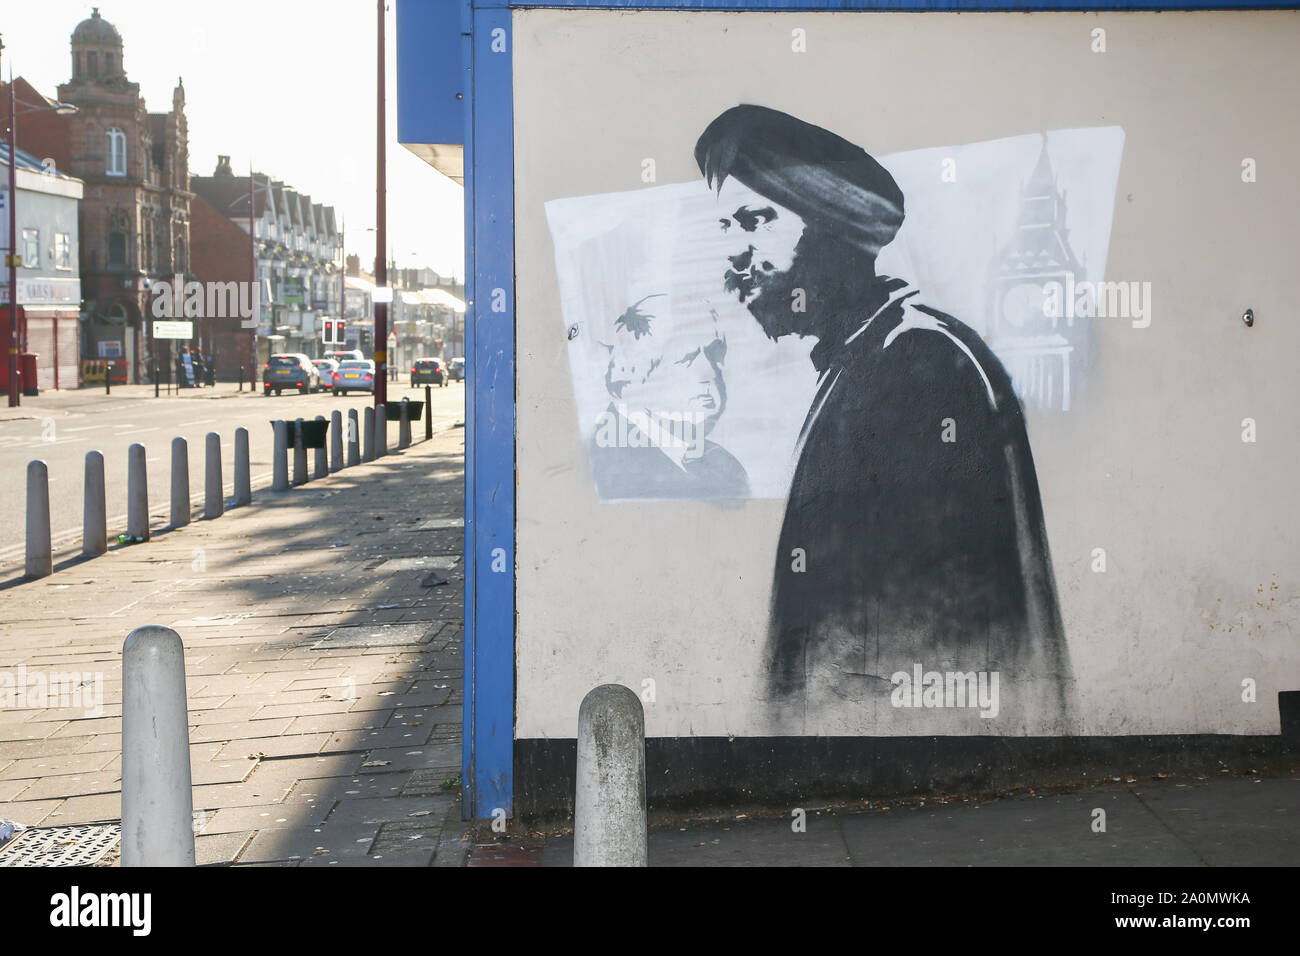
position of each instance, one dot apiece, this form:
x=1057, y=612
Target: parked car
x=456, y=369
x=355, y=375
x=428, y=371
x=325, y=368
x=289, y=370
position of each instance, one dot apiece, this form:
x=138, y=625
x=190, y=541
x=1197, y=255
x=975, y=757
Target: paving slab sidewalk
x=323, y=668
x=1227, y=819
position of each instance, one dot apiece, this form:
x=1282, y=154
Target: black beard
x=831, y=279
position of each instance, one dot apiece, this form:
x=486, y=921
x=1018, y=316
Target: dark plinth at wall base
x=717, y=773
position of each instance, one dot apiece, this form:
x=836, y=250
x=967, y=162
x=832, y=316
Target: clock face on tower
x=1023, y=310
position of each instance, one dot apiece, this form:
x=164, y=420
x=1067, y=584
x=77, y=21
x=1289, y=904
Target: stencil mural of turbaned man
x=739, y=337
x=913, y=542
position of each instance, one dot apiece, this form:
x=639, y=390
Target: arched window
x=116, y=250
x=115, y=164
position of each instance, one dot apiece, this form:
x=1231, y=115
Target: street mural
x=860, y=337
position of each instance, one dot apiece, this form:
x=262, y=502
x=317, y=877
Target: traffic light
x=327, y=332
x=339, y=337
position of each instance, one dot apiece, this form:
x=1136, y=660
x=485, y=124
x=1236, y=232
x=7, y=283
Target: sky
x=288, y=85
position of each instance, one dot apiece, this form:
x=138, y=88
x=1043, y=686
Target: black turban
x=831, y=184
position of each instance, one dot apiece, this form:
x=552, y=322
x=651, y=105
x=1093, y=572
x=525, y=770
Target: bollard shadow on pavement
x=323, y=668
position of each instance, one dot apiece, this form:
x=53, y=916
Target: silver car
x=354, y=376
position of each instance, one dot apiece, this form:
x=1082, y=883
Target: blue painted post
x=490, y=421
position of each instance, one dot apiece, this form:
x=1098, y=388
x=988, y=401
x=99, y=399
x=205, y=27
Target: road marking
x=201, y=421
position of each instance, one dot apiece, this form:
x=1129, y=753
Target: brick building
x=297, y=245
x=135, y=211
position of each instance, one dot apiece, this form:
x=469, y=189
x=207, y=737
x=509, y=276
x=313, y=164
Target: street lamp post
x=381, y=230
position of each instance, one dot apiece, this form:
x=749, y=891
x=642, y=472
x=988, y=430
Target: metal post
x=320, y=463
x=368, y=448
x=157, y=799
x=336, y=440
x=404, y=425
x=243, y=481
x=12, y=260
x=213, y=501
x=381, y=227
x=137, y=493
x=40, y=561
x=280, y=456
x=354, y=439
x=609, y=819
x=299, y=455
x=428, y=414
x=180, y=483
x=381, y=431
x=94, y=519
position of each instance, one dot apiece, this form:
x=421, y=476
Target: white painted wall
x=1200, y=528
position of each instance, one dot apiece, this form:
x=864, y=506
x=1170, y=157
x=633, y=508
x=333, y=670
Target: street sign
x=173, y=330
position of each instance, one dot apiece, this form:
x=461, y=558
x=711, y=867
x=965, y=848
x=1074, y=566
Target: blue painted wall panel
x=490, y=421
x=430, y=71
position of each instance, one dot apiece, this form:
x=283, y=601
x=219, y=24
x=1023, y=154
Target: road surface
x=60, y=427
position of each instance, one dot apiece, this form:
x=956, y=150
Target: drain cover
x=377, y=635
x=61, y=846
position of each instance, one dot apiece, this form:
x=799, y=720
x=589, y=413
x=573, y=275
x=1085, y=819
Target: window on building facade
x=92, y=64
x=116, y=250
x=108, y=64
x=62, y=250
x=31, y=248
x=115, y=164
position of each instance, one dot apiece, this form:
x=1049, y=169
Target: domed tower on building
x=136, y=209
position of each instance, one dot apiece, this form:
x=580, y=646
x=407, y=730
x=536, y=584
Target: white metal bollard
x=213, y=501
x=404, y=425
x=609, y=821
x=381, y=431
x=94, y=519
x=40, y=558
x=137, y=493
x=336, y=441
x=368, y=449
x=157, y=799
x=180, y=483
x=280, y=464
x=299, y=455
x=354, y=439
x=243, y=480
x=320, y=465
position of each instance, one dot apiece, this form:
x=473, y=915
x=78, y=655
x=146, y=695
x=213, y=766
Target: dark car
x=456, y=369
x=427, y=371
x=289, y=370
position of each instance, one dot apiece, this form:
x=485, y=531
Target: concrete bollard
x=299, y=455
x=354, y=439
x=381, y=431
x=280, y=456
x=137, y=493
x=243, y=479
x=609, y=820
x=157, y=799
x=336, y=441
x=180, y=483
x=320, y=465
x=214, y=503
x=404, y=425
x=368, y=448
x=40, y=557
x=94, y=518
